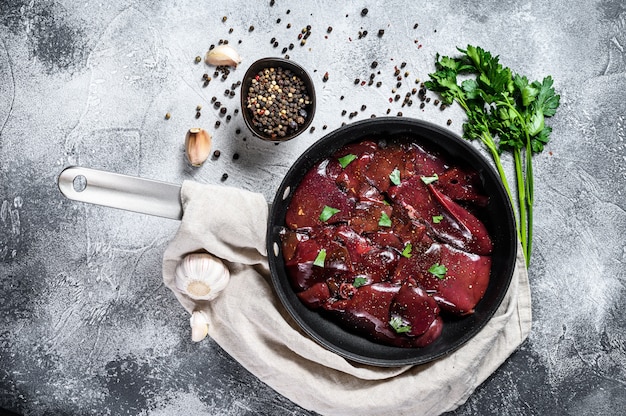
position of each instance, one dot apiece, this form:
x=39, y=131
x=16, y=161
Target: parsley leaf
x=399, y=326
x=328, y=212
x=320, y=259
x=430, y=179
x=359, y=281
x=395, y=176
x=384, y=220
x=438, y=270
x=437, y=218
x=406, y=251
x=345, y=160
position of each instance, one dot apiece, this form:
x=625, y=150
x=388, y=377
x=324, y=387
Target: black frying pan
x=498, y=219
x=162, y=199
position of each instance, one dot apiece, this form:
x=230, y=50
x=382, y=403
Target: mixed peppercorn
x=278, y=102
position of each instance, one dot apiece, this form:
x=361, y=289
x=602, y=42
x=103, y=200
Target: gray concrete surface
x=86, y=326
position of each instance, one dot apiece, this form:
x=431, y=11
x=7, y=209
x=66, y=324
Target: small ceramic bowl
x=256, y=100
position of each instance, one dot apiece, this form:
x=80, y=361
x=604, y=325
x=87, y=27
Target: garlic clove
x=201, y=276
x=197, y=146
x=199, y=326
x=223, y=55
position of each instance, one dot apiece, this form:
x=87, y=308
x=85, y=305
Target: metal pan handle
x=114, y=190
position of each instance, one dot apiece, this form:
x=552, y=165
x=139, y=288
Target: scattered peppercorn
x=449, y=122
x=168, y=116
x=325, y=77
x=324, y=127
x=217, y=123
x=224, y=176
x=229, y=31
x=198, y=59
x=415, y=26
x=378, y=84
x=330, y=29
x=223, y=110
x=364, y=12
x=399, y=113
x=312, y=129
x=235, y=156
x=381, y=32
x=251, y=28
x=224, y=18
x=356, y=81
x=216, y=154
x=343, y=112
x=198, y=114
x=363, y=107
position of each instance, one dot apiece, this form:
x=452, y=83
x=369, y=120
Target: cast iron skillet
x=498, y=219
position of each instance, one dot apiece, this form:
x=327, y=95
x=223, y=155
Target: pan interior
x=498, y=218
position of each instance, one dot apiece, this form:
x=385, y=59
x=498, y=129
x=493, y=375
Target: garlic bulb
x=197, y=146
x=201, y=276
x=223, y=55
x=199, y=326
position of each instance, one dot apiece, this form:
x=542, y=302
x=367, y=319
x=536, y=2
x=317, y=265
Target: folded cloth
x=248, y=321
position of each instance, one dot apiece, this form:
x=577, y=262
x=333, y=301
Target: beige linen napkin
x=248, y=321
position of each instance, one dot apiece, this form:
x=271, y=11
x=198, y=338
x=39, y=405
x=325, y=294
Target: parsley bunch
x=506, y=112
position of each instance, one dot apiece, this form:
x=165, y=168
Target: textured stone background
x=86, y=326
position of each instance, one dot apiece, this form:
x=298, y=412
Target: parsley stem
x=521, y=194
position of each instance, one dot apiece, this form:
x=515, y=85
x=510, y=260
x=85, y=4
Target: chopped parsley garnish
x=384, y=220
x=327, y=212
x=430, y=179
x=438, y=270
x=437, y=218
x=321, y=257
x=345, y=161
x=406, y=251
x=359, y=281
x=395, y=176
x=399, y=326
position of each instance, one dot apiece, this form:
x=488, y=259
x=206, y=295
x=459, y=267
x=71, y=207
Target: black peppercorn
x=364, y=12
x=235, y=156
x=224, y=176
x=381, y=32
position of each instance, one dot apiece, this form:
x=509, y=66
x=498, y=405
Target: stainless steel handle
x=114, y=190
